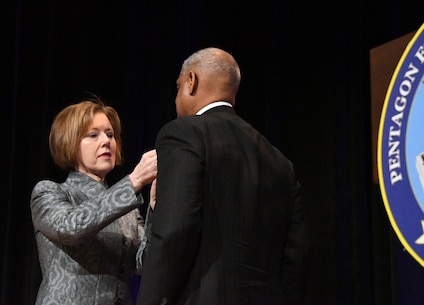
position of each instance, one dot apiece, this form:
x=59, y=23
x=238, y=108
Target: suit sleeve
x=175, y=227
x=296, y=252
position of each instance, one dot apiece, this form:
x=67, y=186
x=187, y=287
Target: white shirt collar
x=212, y=105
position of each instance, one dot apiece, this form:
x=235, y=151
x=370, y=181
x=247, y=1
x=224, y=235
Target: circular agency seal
x=401, y=148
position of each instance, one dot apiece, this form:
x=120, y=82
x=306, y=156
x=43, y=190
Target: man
x=228, y=226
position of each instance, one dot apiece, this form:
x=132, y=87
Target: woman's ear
x=192, y=82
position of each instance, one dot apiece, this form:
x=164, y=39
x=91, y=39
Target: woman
x=88, y=233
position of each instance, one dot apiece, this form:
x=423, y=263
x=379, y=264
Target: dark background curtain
x=305, y=85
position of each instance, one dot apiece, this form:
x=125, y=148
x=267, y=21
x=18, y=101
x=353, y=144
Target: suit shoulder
x=180, y=124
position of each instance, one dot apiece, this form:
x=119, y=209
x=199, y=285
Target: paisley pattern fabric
x=87, y=238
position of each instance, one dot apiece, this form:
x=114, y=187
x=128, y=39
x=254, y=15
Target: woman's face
x=98, y=148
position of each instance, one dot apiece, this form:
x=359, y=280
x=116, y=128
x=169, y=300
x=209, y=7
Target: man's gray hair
x=211, y=61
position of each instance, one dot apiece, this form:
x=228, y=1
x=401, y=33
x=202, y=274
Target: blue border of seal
x=401, y=204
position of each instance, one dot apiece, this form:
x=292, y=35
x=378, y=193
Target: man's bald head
x=207, y=76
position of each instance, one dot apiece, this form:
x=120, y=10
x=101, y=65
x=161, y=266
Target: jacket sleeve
x=71, y=219
x=296, y=252
x=176, y=227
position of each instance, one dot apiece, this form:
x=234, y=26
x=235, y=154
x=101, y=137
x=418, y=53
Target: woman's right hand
x=145, y=171
x=153, y=195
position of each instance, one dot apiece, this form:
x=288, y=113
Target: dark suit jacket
x=227, y=227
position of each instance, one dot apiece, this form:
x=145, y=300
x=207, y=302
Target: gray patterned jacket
x=87, y=238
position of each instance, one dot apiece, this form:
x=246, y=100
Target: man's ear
x=192, y=82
